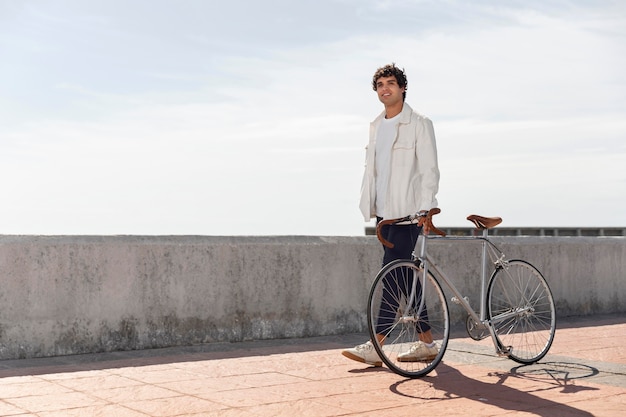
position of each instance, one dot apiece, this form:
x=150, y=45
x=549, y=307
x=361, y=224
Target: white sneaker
x=364, y=353
x=419, y=352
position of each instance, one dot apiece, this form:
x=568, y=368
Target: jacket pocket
x=404, y=152
x=406, y=138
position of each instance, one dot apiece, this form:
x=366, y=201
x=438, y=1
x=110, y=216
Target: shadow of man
x=453, y=384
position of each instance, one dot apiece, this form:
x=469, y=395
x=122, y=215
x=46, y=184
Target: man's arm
x=426, y=152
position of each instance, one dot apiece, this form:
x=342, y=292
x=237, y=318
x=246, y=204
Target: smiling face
x=390, y=84
x=389, y=91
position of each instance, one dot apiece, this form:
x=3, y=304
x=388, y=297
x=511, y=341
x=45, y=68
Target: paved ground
x=583, y=375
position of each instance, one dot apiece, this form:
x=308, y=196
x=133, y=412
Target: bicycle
x=516, y=304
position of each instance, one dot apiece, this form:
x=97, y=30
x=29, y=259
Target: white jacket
x=414, y=174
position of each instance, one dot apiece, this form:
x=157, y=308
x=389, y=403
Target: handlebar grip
x=379, y=235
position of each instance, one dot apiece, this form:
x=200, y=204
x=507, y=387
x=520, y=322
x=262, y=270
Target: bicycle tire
x=521, y=310
x=401, y=331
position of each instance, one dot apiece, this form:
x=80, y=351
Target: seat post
x=483, y=276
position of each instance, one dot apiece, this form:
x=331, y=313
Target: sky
x=191, y=117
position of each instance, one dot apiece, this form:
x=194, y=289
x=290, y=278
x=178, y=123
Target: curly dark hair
x=391, y=70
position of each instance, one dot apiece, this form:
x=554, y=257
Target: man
x=401, y=178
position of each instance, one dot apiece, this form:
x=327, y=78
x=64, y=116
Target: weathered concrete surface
x=79, y=294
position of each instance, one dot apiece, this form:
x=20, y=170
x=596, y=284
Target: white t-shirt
x=384, y=142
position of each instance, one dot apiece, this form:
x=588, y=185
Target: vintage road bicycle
x=516, y=307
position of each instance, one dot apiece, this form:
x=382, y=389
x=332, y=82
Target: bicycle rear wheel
x=521, y=309
x=402, y=323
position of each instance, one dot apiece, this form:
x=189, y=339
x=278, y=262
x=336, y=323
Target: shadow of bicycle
x=556, y=375
x=512, y=391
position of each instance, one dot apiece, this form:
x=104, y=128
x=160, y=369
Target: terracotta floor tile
x=358, y=402
x=269, y=379
x=174, y=406
x=69, y=374
x=54, y=402
x=110, y=410
x=245, y=397
x=36, y=387
x=312, y=389
x=196, y=386
x=98, y=382
x=7, y=409
x=231, y=412
x=133, y=393
x=157, y=376
x=300, y=408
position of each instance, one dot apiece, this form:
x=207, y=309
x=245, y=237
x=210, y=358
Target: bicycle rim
x=390, y=314
x=521, y=309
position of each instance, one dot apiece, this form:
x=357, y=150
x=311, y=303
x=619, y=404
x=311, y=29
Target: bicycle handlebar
x=425, y=221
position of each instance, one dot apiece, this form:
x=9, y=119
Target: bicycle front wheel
x=404, y=308
x=521, y=310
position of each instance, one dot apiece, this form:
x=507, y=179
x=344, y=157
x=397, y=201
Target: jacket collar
x=405, y=115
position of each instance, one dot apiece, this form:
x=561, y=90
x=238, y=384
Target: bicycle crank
x=476, y=331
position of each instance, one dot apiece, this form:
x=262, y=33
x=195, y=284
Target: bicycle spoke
x=403, y=305
x=522, y=311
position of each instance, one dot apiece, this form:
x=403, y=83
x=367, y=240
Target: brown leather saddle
x=484, y=222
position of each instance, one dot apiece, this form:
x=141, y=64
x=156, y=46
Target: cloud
x=188, y=130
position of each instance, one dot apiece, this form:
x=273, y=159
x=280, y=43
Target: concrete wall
x=77, y=294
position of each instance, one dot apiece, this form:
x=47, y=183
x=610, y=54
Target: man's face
x=388, y=90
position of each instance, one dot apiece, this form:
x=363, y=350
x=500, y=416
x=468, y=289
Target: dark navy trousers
x=404, y=238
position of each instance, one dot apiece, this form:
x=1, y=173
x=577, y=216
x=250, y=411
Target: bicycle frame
x=516, y=304
x=489, y=252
